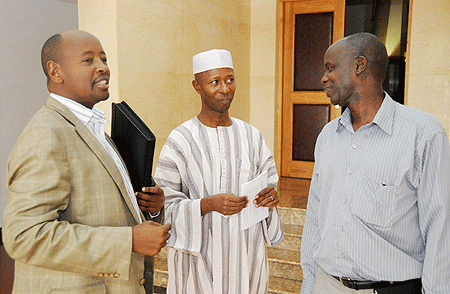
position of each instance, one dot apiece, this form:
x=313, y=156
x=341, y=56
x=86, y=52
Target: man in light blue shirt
x=378, y=216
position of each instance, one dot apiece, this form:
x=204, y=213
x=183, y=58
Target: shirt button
x=354, y=146
x=345, y=201
x=342, y=228
x=343, y=255
x=349, y=171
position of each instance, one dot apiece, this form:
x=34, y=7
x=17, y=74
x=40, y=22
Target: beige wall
x=428, y=62
x=263, y=68
x=150, y=45
x=100, y=19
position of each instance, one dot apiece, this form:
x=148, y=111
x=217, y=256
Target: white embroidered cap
x=215, y=58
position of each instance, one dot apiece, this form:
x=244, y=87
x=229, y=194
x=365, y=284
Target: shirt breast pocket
x=383, y=205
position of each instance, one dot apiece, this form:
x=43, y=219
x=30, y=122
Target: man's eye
x=104, y=60
x=215, y=82
x=88, y=60
x=230, y=80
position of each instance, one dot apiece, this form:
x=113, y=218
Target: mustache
x=104, y=76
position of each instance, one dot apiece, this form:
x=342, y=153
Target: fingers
x=151, y=199
x=237, y=201
x=268, y=197
x=228, y=204
x=266, y=190
x=152, y=223
x=149, y=193
x=153, y=190
x=166, y=228
x=232, y=210
x=234, y=204
x=145, y=198
x=150, y=206
x=149, y=237
x=165, y=233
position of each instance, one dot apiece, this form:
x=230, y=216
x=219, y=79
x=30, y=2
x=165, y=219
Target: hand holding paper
x=225, y=204
x=267, y=197
x=251, y=215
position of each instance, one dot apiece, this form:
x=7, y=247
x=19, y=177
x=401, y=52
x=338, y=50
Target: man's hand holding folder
x=151, y=199
x=136, y=145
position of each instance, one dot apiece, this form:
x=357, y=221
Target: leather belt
x=359, y=285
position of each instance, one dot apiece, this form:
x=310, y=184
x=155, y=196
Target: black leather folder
x=136, y=144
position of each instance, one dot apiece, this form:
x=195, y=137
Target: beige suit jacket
x=68, y=217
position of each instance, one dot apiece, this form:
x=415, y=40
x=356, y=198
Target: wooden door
x=308, y=28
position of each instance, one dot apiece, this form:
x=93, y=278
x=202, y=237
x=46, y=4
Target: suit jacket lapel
x=96, y=147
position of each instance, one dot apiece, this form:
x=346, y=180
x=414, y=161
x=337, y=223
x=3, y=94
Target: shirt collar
x=385, y=115
x=384, y=118
x=345, y=121
x=83, y=113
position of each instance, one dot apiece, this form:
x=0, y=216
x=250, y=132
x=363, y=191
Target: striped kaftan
x=210, y=254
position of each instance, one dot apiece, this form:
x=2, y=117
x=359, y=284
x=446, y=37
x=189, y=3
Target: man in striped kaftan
x=201, y=168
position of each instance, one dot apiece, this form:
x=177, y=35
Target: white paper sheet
x=251, y=215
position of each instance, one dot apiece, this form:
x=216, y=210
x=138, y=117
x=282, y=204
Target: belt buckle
x=346, y=282
x=342, y=280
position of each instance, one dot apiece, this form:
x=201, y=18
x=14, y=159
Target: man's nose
x=102, y=67
x=224, y=89
x=324, y=78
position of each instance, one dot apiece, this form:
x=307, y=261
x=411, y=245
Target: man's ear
x=54, y=72
x=360, y=65
x=196, y=86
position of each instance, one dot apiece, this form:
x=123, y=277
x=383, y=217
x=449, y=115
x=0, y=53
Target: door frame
x=285, y=67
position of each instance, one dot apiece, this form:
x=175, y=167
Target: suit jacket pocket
x=96, y=288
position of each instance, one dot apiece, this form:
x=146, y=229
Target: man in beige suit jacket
x=70, y=222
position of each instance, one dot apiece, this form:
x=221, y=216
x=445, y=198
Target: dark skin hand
x=151, y=199
x=268, y=197
x=150, y=237
x=226, y=204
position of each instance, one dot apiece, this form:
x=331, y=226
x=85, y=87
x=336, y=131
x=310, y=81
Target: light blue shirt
x=379, y=202
x=94, y=119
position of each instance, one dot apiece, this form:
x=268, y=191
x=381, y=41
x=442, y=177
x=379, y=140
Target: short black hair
x=373, y=49
x=51, y=51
